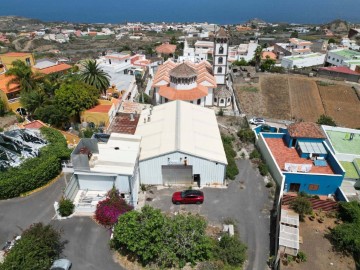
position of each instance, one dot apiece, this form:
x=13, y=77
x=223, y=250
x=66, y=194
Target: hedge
x=231, y=169
x=36, y=172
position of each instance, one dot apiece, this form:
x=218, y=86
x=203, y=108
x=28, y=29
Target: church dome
x=222, y=92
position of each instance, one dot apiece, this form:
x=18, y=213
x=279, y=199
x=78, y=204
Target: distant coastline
x=212, y=11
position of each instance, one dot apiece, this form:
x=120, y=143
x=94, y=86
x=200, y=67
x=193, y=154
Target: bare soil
x=318, y=249
x=296, y=97
x=7, y=120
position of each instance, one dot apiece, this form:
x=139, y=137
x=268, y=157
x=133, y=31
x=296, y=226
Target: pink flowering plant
x=108, y=211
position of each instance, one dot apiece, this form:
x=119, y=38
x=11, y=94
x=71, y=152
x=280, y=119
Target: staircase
x=317, y=204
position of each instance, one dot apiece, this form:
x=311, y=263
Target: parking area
x=245, y=200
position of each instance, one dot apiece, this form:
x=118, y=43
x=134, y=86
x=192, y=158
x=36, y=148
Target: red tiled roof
x=166, y=48
x=265, y=55
x=36, y=124
x=345, y=70
x=284, y=154
x=15, y=54
x=306, y=130
x=100, y=109
x=55, y=69
x=4, y=87
x=123, y=124
x=186, y=95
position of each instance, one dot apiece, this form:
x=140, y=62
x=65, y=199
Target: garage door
x=177, y=174
x=92, y=182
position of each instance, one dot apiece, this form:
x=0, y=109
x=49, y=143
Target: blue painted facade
x=321, y=184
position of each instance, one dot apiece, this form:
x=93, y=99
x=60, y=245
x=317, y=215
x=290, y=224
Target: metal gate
x=177, y=174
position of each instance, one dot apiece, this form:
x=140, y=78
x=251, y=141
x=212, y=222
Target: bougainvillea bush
x=108, y=211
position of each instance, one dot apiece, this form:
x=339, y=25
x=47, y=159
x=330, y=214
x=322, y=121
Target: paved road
x=87, y=245
x=246, y=200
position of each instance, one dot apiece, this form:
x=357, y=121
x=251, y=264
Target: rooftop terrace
x=347, y=53
x=342, y=144
x=283, y=154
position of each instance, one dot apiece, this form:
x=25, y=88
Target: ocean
x=212, y=11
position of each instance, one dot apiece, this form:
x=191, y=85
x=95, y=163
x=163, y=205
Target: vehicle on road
x=61, y=264
x=188, y=197
x=257, y=121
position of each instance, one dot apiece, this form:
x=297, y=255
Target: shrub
x=302, y=206
x=2, y=107
x=154, y=238
x=246, y=135
x=231, y=169
x=38, y=247
x=38, y=171
x=108, y=211
x=66, y=207
x=302, y=256
x=263, y=169
x=326, y=120
x=231, y=250
x=211, y=265
x=269, y=184
x=255, y=154
x=221, y=112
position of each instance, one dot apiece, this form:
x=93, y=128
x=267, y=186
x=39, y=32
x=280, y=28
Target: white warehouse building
x=303, y=60
x=181, y=144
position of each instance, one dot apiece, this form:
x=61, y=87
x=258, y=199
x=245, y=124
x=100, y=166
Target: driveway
x=245, y=200
x=87, y=245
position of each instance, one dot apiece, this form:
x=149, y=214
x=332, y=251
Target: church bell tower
x=221, y=48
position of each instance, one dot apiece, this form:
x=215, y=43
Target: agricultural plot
x=342, y=104
x=305, y=100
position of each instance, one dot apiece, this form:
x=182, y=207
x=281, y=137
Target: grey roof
x=222, y=92
x=221, y=33
x=183, y=71
x=312, y=147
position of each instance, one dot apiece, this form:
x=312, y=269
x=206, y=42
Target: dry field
x=305, y=100
x=300, y=98
x=342, y=104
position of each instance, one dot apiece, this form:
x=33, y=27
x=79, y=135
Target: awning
x=312, y=147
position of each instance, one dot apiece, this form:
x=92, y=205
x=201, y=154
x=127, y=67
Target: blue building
x=299, y=159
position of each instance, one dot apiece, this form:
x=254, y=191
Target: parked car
x=61, y=264
x=257, y=121
x=188, y=196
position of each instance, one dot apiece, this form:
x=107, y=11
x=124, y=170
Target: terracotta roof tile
x=186, y=95
x=265, y=55
x=345, y=70
x=15, y=54
x=100, y=109
x=4, y=87
x=221, y=33
x=123, y=124
x=183, y=71
x=36, y=124
x=54, y=69
x=166, y=48
x=306, y=130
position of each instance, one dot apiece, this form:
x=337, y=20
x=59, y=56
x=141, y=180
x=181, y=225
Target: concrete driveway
x=87, y=245
x=246, y=200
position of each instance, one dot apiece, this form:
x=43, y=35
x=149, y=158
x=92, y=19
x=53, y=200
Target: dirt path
x=28, y=45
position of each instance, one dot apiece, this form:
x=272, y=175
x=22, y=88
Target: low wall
x=340, y=195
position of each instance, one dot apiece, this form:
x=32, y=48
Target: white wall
x=300, y=62
x=95, y=182
x=210, y=172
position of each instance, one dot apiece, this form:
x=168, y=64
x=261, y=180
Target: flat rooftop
x=304, y=56
x=284, y=154
x=350, y=170
x=341, y=142
x=347, y=53
x=347, y=186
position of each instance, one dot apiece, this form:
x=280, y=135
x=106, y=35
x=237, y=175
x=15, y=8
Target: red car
x=188, y=196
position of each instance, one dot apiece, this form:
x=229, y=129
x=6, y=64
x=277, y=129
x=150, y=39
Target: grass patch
x=249, y=89
x=323, y=83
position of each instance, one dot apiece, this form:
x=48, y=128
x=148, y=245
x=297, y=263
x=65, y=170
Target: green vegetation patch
x=231, y=169
x=350, y=170
x=324, y=83
x=249, y=89
x=342, y=143
x=36, y=172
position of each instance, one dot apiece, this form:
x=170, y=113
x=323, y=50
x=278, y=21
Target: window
x=27, y=60
x=221, y=49
x=228, y=99
x=215, y=99
x=220, y=60
x=199, y=101
x=222, y=100
x=313, y=187
x=219, y=70
x=337, y=60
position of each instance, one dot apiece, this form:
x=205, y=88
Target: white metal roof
x=289, y=218
x=180, y=126
x=118, y=155
x=289, y=236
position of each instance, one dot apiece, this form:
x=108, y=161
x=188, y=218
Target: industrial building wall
x=210, y=171
x=95, y=182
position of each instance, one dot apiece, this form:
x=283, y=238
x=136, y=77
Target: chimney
x=132, y=117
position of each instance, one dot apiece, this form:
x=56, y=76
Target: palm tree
x=22, y=75
x=93, y=75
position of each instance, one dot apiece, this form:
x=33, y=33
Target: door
x=294, y=187
x=177, y=175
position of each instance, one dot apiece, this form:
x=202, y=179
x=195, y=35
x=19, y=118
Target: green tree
x=267, y=65
x=240, y=63
x=2, y=107
x=302, y=206
x=32, y=100
x=332, y=40
x=93, y=75
x=326, y=120
x=75, y=97
x=38, y=247
x=231, y=250
x=52, y=114
x=22, y=75
x=173, y=40
x=246, y=135
x=294, y=34
x=257, y=57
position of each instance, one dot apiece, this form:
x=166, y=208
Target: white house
x=202, y=50
x=180, y=144
x=243, y=51
x=301, y=61
x=100, y=166
x=343, y=57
